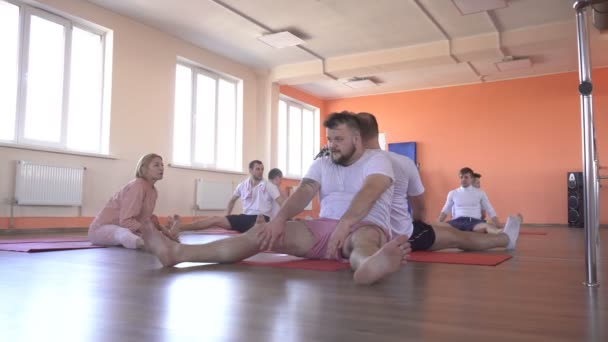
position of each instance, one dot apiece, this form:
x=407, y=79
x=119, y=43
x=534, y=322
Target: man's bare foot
x=159, y=245
x=385, y=261
x=512, y=229
x=174, y=224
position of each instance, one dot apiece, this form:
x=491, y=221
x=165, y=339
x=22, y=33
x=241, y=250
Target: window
x=52, y=83
x=208, y=123
x=298, y=140
x=382, y=141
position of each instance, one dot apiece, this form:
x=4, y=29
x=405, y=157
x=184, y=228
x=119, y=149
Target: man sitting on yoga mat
x=355, y=188
x=409, y=187
x=275, y=177
x=466, y=204
x=257, y=197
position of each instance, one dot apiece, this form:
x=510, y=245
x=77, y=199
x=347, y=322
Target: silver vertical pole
x=588, y=136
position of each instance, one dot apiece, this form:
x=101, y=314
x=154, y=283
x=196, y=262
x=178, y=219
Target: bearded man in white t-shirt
x=355, y=191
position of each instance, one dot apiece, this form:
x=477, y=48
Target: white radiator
x=37, y=184
x=212, y=195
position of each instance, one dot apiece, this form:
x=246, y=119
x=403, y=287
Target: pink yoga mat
x=41, y=240
x=34, y=247
x=463, y=258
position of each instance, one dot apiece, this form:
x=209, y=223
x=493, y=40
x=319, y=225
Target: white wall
x=141, y=118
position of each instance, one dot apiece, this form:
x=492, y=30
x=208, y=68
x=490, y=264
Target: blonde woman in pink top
x=121, y=221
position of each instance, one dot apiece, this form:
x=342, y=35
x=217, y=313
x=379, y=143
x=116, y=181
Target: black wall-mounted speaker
x=576, y=200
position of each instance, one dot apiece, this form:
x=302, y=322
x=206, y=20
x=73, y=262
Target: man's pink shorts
x=322, y=229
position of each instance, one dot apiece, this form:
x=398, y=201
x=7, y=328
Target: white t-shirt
x=340, y=184
x=407, y=183
x=275, y=205
x=467, y=202
x=256, y=200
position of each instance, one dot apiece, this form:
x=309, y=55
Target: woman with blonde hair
x=121, y=221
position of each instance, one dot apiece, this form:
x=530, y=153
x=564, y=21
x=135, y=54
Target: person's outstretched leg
x=298, y=241
x=113, y=235
x=228, y=250
x=454, y=238
x=487, y=228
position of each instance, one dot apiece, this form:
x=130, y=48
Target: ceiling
x=402, y=44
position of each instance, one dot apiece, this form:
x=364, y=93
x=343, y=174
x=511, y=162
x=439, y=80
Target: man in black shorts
x=257, y=199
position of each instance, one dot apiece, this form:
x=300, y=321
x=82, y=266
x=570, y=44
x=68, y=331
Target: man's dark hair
x=466, y=170
x=368, y=126
x=344, y=117
x=476, y=175
x=253, y=163
x=274, y=173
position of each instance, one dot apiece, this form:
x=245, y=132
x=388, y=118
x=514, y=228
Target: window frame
x=238, y=117
x=316, y=131
x=26, y=12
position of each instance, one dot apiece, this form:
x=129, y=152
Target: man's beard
x=344, y=157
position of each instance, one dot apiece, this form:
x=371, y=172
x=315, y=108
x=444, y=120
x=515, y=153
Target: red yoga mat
x=34, y=247
x=463, y=258
x=215, y=231
x=314, y=265
x=532, y=233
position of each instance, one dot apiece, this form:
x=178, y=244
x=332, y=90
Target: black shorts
x=423, y=236
x=242, y=223
x=466, y=224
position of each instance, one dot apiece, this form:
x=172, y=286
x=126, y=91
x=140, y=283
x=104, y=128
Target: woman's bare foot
x=159, y=245
x=385, y=261
x=139, y=244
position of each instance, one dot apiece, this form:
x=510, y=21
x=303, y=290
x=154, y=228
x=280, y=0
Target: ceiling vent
x=281, y=39
x=475, y=6
x=361, y=82
x=510, y=63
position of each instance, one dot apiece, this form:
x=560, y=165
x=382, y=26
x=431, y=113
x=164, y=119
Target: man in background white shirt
x=275, y=177
x=257, y=197
x=466, y=204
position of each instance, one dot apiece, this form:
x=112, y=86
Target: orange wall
x=521, y=135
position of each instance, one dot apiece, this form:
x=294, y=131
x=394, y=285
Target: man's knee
x=365, y=236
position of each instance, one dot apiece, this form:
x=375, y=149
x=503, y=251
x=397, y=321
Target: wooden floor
x=115, y=294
